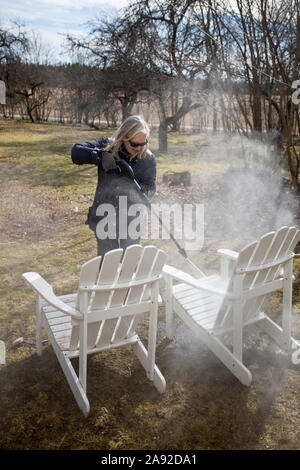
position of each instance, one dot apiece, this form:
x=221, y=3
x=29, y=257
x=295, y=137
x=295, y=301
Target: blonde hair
x=129, y=128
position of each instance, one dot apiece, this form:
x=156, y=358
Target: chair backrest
x=253, y=263
x=107, y=289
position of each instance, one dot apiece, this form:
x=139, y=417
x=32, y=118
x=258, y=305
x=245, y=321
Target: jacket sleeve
x=147, y=179
x=88, y=152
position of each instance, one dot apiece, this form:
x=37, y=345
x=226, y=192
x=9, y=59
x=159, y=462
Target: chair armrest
x=232, y=255
x=227, y=262
x=44, y=289
x=197, y=283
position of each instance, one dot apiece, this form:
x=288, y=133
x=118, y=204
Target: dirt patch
x=31, y=212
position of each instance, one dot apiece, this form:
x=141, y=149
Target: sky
x=49, y=18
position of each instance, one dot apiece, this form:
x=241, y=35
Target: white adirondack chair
x=219, y=306
x=103, y=314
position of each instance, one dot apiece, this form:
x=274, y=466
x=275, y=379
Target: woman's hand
x=108, y=161
x=125, y=168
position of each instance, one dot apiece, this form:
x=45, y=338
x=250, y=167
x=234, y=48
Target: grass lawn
x=44, y=201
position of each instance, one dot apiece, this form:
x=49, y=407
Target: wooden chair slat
x=107, y=276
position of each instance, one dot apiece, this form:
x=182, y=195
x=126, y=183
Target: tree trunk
x=127, y=103
x=214, y=115
x=163, y=136
x=29, y=110
x=256, y=108
x=293, y=166
x=185, y=108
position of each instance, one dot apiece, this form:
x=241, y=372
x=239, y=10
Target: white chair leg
x=287, y=306
x=38, y=311
x=238, y=320
x=77, y=389
x=75, y=385
x=2, y=353
x=142, y=354
x=231, y=362
x=152, y=331
x=169, y=307
x=83, y=342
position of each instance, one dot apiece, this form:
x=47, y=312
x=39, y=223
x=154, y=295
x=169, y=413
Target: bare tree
x=33, y=91
x=173, y=31
x=117, y=50
x=282, y=31
x=258, y=48
x=25, y=76
x=14, y=43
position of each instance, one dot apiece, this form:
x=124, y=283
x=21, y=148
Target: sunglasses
x=137, y=144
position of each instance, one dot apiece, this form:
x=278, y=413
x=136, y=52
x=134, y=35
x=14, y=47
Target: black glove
x=125, y=169
x=108, y=161
x=95, y=157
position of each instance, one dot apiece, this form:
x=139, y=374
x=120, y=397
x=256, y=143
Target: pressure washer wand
x=180, y=248
x=147, y=200
x=129, y=172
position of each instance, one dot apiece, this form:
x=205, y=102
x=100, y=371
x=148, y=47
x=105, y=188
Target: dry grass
x=43, y=209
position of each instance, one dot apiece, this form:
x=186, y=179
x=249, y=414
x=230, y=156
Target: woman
x=130, y=144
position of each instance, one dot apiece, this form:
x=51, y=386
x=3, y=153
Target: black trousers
x=106, y=244
x=103, y=246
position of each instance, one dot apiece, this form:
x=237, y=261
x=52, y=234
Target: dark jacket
x=112, y=183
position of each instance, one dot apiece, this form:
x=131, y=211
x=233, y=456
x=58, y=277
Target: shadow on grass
x=38, y=410
x=203, y=407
